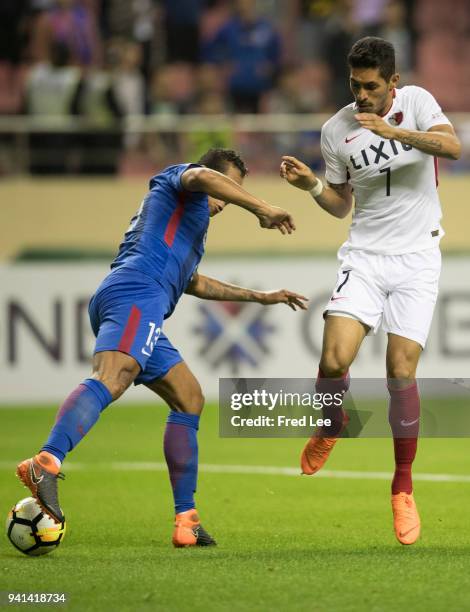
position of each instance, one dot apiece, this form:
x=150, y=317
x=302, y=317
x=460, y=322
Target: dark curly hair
x=217, y=159
x=373, y=52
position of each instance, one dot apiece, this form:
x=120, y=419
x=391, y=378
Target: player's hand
x=283, y=296
x=276, y=218
x=375, y=124
x=297, y=173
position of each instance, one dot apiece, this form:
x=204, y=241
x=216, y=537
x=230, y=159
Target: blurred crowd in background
x=105, y=60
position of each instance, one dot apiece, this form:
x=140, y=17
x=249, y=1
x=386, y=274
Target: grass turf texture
x=284, y=542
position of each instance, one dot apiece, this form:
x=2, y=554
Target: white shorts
x=395, y=292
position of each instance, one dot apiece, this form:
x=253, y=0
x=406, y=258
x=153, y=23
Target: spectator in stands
x=300, y=89
x=394, y=28
x=312, y=19
x=173, y=89
x=128, y=81
x=13, y=15
x=172, y=93
x=210, y=104
x=341, y=31
x=210, y=100
x=128, y=84
x=97, y=100
x=210, y=79
x=13, y=40
x=250, y=48
x=132, y=20
x=98, y=104
x=71, y=23
x=52, y=89
x=182, y=33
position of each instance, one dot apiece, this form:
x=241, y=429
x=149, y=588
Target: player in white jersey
x=383, y=149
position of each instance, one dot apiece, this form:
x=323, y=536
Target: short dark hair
x=217, y=159
x=373, y=52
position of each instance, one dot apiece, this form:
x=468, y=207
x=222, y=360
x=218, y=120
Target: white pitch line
x=270, y=470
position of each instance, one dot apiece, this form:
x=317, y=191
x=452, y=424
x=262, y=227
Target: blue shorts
x=126, y=315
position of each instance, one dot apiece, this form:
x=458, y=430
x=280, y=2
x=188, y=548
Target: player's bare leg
x=342, y=338
x=116, y=370
x=182, y=392
x=402, y=360
x=113, y=372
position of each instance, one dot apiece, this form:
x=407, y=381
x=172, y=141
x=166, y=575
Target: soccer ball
x=32, y=531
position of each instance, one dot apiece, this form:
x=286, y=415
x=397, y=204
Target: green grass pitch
x=284, y=542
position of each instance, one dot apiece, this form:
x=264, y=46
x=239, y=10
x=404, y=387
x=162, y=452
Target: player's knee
x=191, y=401
x=401, y=370
x=116, y=385
x=115, y=370
x=196, y=403
x=334, y=364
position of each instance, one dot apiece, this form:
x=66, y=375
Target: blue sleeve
x=174, y=173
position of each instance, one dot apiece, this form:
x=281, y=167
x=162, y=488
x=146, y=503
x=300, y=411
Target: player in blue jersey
x=156, y=263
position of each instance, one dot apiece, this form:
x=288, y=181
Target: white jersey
x=397, y=208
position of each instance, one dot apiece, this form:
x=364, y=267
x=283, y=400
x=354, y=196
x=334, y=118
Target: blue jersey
x=166, y=237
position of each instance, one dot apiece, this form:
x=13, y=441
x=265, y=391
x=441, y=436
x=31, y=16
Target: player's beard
x=385, y=104
x=381, y=107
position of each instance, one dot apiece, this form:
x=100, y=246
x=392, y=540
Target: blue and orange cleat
x=189, y=531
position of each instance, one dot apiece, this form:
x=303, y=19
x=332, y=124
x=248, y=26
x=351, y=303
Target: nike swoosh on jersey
x=348, y=140
x=404, y=423
x=340, y=297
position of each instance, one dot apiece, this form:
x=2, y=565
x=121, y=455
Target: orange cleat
x=317, y=450
x=315, y=453
x=406, y=520
x=39, y=474
x=189, y=531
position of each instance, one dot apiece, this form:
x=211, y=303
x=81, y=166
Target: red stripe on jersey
x=174, y=222
x=132, y=325
x=436, y=170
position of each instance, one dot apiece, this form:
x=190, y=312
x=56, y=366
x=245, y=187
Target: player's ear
x=394, y=80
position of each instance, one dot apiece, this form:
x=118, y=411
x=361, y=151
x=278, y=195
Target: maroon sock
x=336, y=387
x=405, y=452
x=404, y=422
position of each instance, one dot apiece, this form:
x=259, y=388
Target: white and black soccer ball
x=31, y=531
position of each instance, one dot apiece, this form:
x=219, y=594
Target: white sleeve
x=428, y=112
x=336, y=171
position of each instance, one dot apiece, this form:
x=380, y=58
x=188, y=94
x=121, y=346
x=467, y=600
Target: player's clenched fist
x=277, y=218
x=297, y=173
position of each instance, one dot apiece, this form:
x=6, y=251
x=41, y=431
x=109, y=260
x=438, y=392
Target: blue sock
x=76, y=417
x=181, y=454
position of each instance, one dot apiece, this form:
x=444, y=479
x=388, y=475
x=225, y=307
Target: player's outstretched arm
x=439, y=140
x=222, y=187
x=335, y=199
x=212, y=289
